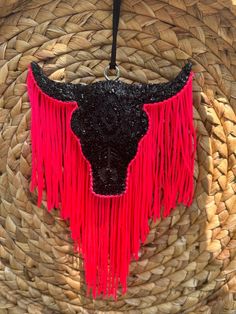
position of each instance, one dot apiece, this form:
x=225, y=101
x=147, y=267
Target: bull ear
x=57, y=90
x=156, y=92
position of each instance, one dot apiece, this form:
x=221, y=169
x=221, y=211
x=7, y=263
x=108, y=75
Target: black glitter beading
x=109, y=130
x=110, y=121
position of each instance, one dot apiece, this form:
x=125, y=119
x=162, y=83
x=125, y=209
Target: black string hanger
x=115, y=23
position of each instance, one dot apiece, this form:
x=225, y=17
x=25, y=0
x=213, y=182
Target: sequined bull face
x=109, y=130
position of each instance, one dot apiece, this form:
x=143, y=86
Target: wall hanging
x=112, y=155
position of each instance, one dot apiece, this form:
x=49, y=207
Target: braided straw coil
x=188, y=263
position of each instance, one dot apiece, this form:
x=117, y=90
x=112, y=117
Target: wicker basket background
x=188, y=263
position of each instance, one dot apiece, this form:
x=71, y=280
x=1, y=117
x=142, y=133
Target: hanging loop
x=115, y=22
x=117, y=73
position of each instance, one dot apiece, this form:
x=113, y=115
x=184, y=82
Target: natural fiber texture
x=188, y=263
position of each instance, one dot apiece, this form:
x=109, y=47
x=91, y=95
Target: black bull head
x=109, y=128
x=110, y=121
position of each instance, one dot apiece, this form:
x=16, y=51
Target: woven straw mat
x=188, y=263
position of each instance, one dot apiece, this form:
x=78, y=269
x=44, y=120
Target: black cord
x=115, y=23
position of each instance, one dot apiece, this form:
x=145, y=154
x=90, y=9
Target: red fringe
x=108, y=231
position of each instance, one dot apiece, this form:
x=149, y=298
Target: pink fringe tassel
x=108, y=231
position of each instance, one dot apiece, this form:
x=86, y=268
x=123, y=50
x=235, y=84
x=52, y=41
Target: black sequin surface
x=110, y=121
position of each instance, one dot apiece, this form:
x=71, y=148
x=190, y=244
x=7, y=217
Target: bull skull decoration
x=111, y=155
